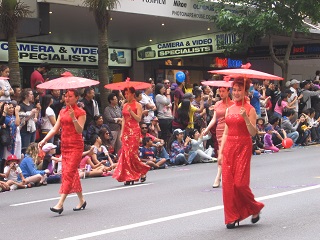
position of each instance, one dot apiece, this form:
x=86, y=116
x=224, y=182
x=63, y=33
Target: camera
x=147, y=53
x=118, y=57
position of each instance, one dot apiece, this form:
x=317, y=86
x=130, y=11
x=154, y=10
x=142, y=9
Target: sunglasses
x=144, y=128
x=167, y=83
x=107, y=133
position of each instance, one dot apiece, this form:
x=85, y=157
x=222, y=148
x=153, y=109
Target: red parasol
x=217, y=83
x=246, y=73
x=4, y=78
x=68, y=81
x=127, y=84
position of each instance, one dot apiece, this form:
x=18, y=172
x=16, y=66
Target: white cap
x=47, y=147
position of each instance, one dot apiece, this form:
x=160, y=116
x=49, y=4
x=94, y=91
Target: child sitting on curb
x=268, y=144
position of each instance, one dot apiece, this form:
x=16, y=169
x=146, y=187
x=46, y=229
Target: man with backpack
x=305, y=102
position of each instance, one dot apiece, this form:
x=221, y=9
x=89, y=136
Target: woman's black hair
x=75, y=91
x=273, y=120
x=282, y=96
x=96, y=117
x=137, y=93
x=158, y=87
x=3, y=67
x=130, y=89
x=183, y=113
x=45, y=103
x=193, y=132
x=111, y=96
x=93, y=139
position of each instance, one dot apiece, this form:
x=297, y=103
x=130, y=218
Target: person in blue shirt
x=28, y=167
x=148, y=155
x=256, y=96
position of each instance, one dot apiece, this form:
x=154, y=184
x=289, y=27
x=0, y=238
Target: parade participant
x=235, y=157
x=130, y=168
x=219, y=117
x=71, y=121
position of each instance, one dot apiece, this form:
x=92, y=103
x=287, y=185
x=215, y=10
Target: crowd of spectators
x=171, y=130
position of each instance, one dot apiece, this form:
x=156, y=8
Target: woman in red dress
x=219, y=117
x=235, y=157
x=71, y=121
x=130, y=168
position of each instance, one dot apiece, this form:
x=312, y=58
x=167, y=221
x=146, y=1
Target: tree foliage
x=253, y=20
x=101, y=12
x=11, y=13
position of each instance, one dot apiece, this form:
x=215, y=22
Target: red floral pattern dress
x=71, y=151
x=239, y=202
x=130, y=167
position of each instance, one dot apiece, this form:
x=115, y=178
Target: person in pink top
x=219, y=117
x=37, y=75
x=282, y=103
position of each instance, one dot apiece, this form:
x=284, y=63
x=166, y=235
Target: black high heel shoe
x=56, y=210
x=83, y=206
x=126, y=183
x=143, y=179
x=256, y=219
x=232, y=225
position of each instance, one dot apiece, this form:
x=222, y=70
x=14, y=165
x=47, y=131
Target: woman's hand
x=243, y=112
x=41, y=144
x=71, y=113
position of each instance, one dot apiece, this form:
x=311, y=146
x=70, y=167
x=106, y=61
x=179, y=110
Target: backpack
x=302, y=103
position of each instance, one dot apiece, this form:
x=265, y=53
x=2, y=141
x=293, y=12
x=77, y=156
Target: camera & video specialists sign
x=205, y=44
x=64, y=54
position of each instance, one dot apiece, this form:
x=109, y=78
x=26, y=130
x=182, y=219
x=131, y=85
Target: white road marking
x=182, y=215
x=74, y=195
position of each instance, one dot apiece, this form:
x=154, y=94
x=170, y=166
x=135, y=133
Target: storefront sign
x=205, y=44
x=305, y=49
x=62, y=54
x=227, y=63
x=180, y=9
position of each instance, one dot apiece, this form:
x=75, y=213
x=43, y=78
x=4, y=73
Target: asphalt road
x=175, y=203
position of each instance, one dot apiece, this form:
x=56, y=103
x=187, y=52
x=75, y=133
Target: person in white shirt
x=148, y=106
x=294, y=87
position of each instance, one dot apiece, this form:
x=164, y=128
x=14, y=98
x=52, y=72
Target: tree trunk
x=103, y=69
x=13, y=60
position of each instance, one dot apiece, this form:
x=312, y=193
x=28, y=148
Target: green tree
x=253, y=20
x=11, y=13
x=101, y=11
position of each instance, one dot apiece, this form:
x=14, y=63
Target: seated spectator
x=96, y=126
x=267, y=139
x=154, y=127
x=197, y=152
x=106, y=141
x=260, y=131
x=147, y=154
x=314, y=123
x=28, y=167
x=49, y=162
x=88, y=169
x=12, y=171
x=291, y=130
x=179, y=147
x=4, y=186
x=303, y=130
x=158, y=143
x=100, y=152
x=279, y=134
